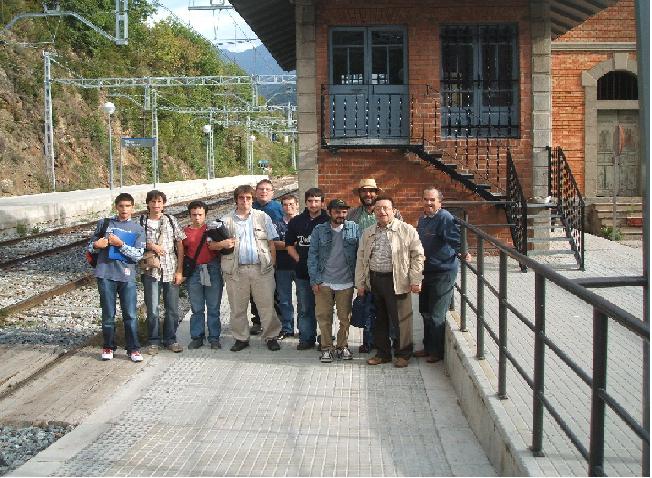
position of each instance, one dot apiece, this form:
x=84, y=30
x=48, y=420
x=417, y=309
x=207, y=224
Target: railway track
x=23, y=279
x=67, y=315
x=43, y=244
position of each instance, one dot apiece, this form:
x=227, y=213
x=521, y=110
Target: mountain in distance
x=258, y=61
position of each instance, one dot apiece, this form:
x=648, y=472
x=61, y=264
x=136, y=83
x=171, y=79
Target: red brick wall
x=405, y=176
x=402, y=176
x=614, y=24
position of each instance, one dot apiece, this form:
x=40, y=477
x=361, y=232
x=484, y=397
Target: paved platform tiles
x=569, y=324
x=215, y=412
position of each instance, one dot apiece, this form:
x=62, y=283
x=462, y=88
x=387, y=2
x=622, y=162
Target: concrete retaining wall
x=488, y=416
x=59, y=209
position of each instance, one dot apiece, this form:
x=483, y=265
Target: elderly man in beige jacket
x=390, y=265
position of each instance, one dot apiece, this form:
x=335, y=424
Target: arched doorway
x=611, y=98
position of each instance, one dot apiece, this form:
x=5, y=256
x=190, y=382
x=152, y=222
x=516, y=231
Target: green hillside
x=81, y=128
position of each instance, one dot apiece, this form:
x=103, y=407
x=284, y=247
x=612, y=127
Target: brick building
x=594, y=87
x=455, y=93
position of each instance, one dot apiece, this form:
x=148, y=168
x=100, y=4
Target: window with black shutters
x=479, y=81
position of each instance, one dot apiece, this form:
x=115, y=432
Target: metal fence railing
x=563, y=187
x=604, y=312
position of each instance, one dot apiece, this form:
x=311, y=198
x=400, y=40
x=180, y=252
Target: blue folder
x=129, y=238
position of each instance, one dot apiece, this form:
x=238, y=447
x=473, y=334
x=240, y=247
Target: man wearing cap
x=364, y=217
x=331, y=266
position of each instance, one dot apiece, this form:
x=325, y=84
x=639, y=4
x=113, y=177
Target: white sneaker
x=345, y=354
x=326, y=356
x=136, y=357
x=107, y=354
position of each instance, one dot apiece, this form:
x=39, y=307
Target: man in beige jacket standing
x=249, y=270
x=390, y=265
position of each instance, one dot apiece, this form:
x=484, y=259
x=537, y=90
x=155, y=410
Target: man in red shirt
x=205, y=283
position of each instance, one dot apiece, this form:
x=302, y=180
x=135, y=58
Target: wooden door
x=630, y=163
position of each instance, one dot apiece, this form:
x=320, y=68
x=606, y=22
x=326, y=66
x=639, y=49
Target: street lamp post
x=252, y=139
x=208, y=131
x=109, y=109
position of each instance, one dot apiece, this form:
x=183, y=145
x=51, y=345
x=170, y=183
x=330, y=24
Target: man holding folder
x=119, y=246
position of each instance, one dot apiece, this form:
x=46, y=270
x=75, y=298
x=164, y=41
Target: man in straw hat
x=363, y=215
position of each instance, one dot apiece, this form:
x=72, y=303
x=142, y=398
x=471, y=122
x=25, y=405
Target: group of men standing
x=264, y=247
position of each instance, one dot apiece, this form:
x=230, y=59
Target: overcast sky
x=215, y=25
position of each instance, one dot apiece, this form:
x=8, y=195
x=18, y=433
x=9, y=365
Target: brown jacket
x=407, y=256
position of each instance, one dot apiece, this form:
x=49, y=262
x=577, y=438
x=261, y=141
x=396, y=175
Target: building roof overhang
x=274, y=22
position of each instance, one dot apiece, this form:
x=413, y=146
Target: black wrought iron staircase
x=473, y=154
x=441, y=159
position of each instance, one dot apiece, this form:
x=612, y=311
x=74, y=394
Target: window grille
x=479, y=81
x=618, y=85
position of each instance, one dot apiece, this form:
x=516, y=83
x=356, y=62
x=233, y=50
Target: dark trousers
x=370, y=316
x=393, y=314
x=434, y=299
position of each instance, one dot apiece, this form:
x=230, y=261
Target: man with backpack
x=161, y=269
x=117, y=245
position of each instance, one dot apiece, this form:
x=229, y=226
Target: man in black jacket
x=297, y=240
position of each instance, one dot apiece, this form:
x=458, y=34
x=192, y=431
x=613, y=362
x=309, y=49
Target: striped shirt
x=248, y=249
x=381, y=252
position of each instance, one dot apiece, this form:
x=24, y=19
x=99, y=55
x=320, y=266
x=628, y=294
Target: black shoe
x=364, y=349
x=256, y=329
x=195, y=343
x=285, y=335
x=216, y=344
x=272, y=344
x=305, y=345
x=239, y=345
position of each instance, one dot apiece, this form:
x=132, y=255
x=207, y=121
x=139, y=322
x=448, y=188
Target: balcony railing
x=375, y=115
x=479, y=109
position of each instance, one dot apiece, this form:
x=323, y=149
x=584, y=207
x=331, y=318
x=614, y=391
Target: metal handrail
x=517, y=209
x=570, y=203
x=603, y=310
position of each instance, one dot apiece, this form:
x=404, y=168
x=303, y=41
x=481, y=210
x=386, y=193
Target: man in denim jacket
x=331, y=266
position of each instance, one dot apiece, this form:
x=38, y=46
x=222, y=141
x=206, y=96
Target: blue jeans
x=306, y=319
x=205, y=298
x=434, y=299
x=284, y=279
x=109, y=290
x=152, y=288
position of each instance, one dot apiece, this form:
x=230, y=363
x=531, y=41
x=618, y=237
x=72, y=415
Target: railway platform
x=259, y=413
x=59, y=209
x=214, y=412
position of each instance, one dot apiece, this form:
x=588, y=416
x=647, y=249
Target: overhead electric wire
x=271, y=68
